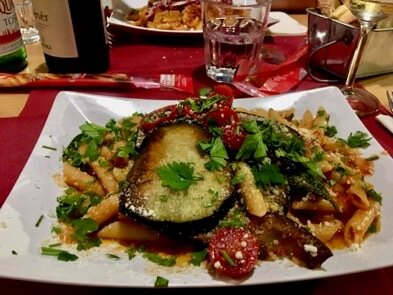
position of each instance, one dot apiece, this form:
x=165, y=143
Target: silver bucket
x=331, y=44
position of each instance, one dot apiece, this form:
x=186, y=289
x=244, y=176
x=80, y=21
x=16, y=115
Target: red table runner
x=145, y=58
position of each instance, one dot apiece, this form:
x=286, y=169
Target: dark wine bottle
x=73, y=35
x=12, y=49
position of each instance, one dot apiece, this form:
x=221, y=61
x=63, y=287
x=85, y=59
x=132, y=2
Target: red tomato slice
x=188, y=112
x=226, y=91
x=232, y=137
x=223, y=117
x=159, y=116
x=233, y=251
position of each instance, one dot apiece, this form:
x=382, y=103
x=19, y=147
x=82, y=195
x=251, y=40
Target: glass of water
x=233, y=32
x=26, y=20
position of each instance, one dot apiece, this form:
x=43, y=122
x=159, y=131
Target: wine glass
x=369, y=13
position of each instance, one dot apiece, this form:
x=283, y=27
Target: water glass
x=26, y=20
x=233, y=32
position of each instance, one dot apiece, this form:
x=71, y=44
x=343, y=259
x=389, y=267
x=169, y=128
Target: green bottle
x=12, y=49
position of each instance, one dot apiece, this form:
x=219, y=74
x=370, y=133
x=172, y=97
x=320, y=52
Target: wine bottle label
x=54, y=22
x=10, y=36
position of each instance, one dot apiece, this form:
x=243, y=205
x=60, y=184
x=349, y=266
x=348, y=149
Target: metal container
x=332, y=43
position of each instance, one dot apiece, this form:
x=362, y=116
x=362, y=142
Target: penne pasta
x=326, y=230
x=307, y=120
x=357, y=226
x=106, y=177
x=252, y=196
x=120, y=174
x=358, y=195
x=107, y=209
x=128, y=230
x=320, y=205
x=82, y=181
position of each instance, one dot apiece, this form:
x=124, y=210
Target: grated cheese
x=311, y=249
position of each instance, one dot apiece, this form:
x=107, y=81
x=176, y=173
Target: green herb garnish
x=49, y=148
x=253, y=145
x=267, y=175
x=217, y=152
x=372, y=228
x=372, y=158
x=238, y=178
x=113, y=256
x=163, y=198
x=227, y=258
x=156, y=258
x=131, y=253
x=198, y=257
x=236, y=220
x=178, y=175
x=37, y=224
x=374, y=195
x=82, y=229
x=161, y=282
x=358, y=139
x=60, y=254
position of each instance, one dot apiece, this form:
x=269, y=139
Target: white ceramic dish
x=280, y=23
x=35, y=194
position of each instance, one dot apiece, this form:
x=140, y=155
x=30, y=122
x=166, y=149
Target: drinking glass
x=369, y=13
x=233, y=32
x=26, y=20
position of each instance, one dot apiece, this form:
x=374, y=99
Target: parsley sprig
x=253, y=145
x=217, y=152
x=178, y=176
x=358, y=139
x=60, y=254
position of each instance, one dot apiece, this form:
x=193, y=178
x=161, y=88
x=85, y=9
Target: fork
x=109, y=29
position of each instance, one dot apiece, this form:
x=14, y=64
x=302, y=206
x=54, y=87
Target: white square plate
x=35, y=194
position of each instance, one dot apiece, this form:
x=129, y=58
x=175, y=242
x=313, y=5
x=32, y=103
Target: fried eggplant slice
x=180, y=212
x=281, y=237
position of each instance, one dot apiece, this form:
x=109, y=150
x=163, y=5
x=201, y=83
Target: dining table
x=24, y=110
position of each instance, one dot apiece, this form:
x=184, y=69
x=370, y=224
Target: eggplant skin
x=280, y=237
x=183, y=213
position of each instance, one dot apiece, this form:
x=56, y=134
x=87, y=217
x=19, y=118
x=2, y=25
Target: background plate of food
x=184, y=19
x=28, y=218
x=146, y=17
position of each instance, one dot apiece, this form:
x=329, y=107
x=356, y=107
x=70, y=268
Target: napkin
x=386, y=121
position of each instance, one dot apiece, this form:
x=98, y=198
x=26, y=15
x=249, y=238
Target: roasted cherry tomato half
x=188, y=112
x=233, y=137
x=226, y=91
x=158, y=117
x=223, y=89
x=223, y=116
x=233, y=251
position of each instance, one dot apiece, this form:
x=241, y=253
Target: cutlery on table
x=387, y=120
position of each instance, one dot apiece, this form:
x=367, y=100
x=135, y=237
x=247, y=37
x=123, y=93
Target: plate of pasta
x=291, y=187
x=130, y=16
x=145, y=17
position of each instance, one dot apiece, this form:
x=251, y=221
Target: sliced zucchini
x=189, y=211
